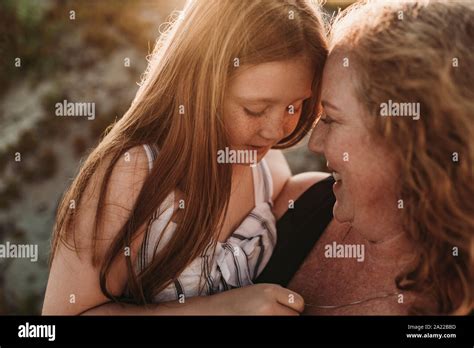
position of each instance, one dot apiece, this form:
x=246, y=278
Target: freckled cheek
x=357, y=168
x=242, y=129
x=378, y=167
x=343, y=156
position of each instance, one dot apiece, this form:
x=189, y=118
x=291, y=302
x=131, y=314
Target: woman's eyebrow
x=327, y=104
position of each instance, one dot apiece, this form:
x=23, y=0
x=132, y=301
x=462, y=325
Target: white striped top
x=236, y=262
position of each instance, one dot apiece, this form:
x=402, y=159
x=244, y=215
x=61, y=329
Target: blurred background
x=50, y=51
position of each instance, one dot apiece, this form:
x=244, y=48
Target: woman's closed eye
x=326, y=119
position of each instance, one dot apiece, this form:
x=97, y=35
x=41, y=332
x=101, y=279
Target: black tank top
x=298, y=230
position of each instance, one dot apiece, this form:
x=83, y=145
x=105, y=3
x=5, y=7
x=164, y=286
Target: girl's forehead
x=270, y=81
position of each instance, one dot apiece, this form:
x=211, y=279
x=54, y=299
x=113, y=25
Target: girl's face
x=364, y=169
x=263, y=103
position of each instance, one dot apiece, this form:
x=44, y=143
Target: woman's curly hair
x=420, y=52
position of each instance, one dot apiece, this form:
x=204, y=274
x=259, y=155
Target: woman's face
x=263, y=103
x=361, y=163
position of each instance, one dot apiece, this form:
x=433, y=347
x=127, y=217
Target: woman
x=403, y=183
x=155, y=215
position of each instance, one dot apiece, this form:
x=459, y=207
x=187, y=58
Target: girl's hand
x=259, y=299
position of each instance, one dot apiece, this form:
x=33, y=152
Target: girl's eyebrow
x=271, y=100
x=306, y=96
x=258, y=100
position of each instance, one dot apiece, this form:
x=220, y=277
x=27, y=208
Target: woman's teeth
x=336, y=176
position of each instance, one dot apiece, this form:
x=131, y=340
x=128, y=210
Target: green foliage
x=79, y=145
x=25, y=36
x=28, y=12
x=47, y=164
x=9, y=193
x=27, y=143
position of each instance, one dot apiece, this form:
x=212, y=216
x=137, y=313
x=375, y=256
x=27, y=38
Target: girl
x=153, y=216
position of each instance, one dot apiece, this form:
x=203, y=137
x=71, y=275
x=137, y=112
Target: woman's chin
x=341, y=214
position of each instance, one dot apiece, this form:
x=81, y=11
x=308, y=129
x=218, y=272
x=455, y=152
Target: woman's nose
x=317, y=138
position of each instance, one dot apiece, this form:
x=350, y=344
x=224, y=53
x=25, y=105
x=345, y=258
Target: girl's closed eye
x=254, y=113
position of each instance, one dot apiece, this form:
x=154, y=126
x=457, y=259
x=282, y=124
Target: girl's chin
x=247, y=164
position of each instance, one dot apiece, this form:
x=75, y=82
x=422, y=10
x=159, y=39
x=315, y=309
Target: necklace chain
x=382, y=296
x=355, y=302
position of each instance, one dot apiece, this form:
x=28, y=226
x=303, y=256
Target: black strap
x=298, y=231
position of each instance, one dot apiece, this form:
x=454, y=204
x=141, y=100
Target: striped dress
x=231, y=264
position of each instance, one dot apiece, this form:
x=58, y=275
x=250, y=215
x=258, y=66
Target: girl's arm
x=288, y=188
x=73, y=285
x=295, y=187
x=279, y=170
x=259, y=299
x=192, y=306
